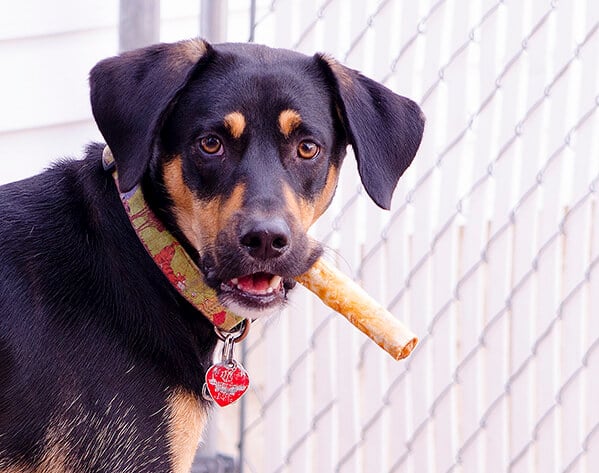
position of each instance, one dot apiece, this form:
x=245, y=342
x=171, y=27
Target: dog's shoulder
x=48, y=197
x=75, y=318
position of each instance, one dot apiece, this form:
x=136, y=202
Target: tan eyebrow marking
x=289, y=120
x=235, y=123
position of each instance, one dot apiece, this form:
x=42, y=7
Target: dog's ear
x=130, y=97
x=383, y=128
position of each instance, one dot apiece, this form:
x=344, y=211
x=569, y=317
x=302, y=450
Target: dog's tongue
x=258, y=282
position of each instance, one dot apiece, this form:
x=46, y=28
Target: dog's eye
x=211, y=145
x=308, y=149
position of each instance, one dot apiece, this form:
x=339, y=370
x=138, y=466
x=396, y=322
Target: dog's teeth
x=275, y=282
x=234, y=281
x=270, y=290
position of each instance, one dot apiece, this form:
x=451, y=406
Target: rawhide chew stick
x=345, y=296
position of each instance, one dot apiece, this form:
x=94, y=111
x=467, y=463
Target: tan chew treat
x=345, y=296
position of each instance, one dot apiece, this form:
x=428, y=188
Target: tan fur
x=235, y=123
x=210, y=217
x=186, y=210
x=289, y=120
x=301, y=209
x=55, y=460
x=186, y=52
x=306, y=211
x=341, y=73
x=230, y=206
x=321, y=203
x=187, y=419
x=200, y=221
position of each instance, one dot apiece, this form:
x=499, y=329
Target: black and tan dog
x=237, y=148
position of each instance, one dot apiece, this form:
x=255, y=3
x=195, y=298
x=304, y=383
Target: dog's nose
x=266, y=239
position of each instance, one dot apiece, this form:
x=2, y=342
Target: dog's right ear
x=130, y=97
x=384, y=129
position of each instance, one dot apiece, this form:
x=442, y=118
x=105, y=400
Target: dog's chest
x=123, y=440
x=187, y=419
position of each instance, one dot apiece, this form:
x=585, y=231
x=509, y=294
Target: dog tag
x=227, y=381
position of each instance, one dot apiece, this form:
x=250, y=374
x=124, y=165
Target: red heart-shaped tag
x=227, y=382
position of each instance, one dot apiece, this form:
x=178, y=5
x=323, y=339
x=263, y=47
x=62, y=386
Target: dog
x=237, y=149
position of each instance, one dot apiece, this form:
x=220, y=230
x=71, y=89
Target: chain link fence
x=490, y=253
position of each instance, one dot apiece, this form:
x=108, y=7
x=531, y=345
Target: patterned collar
x=170, y=256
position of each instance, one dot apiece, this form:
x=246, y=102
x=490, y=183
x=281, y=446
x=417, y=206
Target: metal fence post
x=139, y=23
x=213, y=20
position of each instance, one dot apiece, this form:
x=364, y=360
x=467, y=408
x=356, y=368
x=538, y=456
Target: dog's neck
x=168, y=254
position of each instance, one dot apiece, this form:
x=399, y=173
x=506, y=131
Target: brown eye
x=308, y=149
x=211, y=145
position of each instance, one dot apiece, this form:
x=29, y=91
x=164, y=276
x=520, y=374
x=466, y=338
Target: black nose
x=266, y=239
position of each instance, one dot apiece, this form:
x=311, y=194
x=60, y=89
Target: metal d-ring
x=229, y=339
x=227, y=354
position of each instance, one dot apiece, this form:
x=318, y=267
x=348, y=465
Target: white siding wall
x=46, y=52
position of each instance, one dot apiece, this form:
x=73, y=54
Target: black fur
x=85, y=316
x=93, y=338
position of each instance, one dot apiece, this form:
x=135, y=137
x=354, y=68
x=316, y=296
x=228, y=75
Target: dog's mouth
x=258, y=284
x=254, y=288
x=257, y=291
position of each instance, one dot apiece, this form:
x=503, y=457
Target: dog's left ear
x=131, y=95
x=383, y=128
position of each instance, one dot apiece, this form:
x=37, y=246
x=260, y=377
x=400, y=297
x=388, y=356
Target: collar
x=170, y=256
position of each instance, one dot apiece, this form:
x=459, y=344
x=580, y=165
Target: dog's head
x=239, y=147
